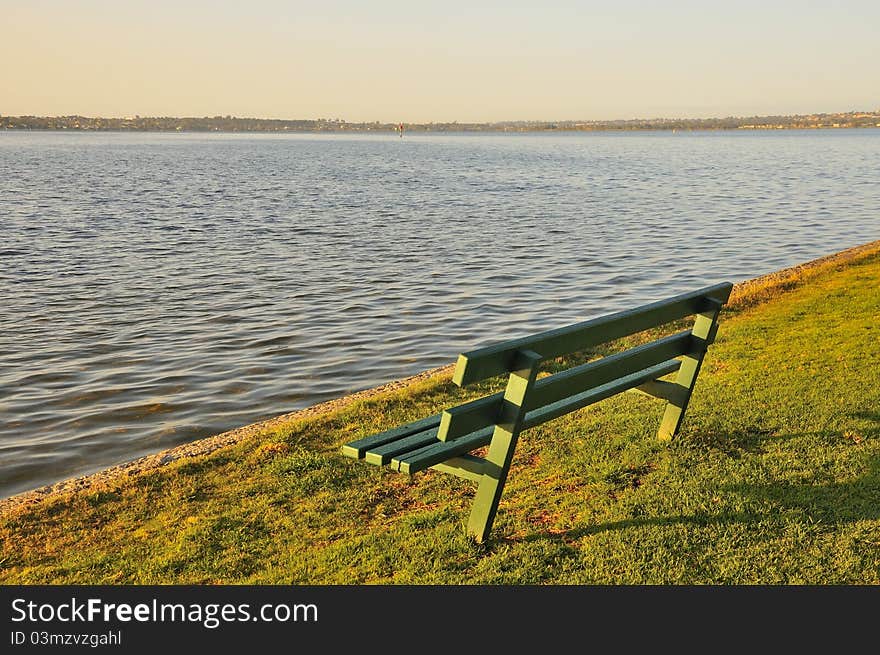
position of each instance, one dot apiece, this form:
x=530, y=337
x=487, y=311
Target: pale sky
x=389, y=60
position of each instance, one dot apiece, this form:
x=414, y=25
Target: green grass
x=775, y=478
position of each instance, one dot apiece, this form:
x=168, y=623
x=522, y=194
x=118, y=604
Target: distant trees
x=230, y=123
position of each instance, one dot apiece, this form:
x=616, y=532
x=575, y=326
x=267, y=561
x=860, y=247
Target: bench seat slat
x=381, y=455
x=422, y=450
x=578, y=401
x=440, y=451
x=357, y=449
x=415, y=450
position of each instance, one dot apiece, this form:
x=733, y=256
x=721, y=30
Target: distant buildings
x=235, y=124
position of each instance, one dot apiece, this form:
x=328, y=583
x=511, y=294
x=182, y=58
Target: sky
x=389, y=61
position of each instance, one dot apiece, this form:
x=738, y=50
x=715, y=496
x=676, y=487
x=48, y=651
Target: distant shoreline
x=234, y=124
x=434, y=132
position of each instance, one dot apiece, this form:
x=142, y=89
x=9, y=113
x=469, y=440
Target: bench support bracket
x=464, y=466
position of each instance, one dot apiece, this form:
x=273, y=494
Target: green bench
x=443, y=442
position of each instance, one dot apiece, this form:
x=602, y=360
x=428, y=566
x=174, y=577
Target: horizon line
x=445, y=122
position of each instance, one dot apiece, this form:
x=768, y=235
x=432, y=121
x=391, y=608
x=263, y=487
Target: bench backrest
x=581, y=385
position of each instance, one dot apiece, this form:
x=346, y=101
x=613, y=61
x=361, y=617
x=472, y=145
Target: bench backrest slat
x=499, y=358
x=477, y=414
x=577, y=401
x=602, y=371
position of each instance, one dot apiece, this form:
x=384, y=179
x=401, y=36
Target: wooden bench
x=443, y=442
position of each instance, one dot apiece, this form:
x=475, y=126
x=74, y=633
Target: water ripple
x=157, y=288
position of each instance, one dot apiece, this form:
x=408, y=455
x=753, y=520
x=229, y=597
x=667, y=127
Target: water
x=156, y=288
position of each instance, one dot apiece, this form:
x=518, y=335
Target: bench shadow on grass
x=835, y=503
x=871, y=416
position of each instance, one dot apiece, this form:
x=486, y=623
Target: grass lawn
x=775, y=478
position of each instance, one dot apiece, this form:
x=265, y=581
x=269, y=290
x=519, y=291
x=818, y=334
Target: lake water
x=157, y=288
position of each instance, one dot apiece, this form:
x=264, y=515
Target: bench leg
x=503, y=445
x=704, y=330
x=491, y=485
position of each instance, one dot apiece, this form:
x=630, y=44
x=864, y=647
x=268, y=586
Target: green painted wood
x=577, y=401
x=381, y=455
x=464, y=466
x=405, y=443
x=485, y=411
x=498, y=358
x=607, y=369
x=357, y=449
x=661, y=389
x=704, y=331
x=425, y=457
x=468, y=417
x=504, y=438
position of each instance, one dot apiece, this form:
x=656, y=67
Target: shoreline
x=418, y=131
x=745, y=294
